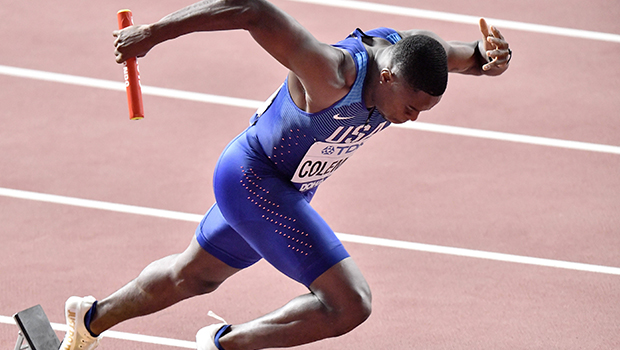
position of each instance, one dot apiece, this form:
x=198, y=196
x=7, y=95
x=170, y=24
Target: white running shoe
x=205, y=336
x=77, y=336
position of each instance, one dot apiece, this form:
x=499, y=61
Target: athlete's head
x=423, y=63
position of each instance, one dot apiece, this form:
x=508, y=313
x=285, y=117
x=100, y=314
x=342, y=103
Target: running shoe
x=77, y=336
x=205, y=338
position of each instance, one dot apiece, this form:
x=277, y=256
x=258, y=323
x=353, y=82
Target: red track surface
x=408, y=185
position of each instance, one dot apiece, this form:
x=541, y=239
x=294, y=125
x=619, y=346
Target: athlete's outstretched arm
x=317, y=65
x=488, y=56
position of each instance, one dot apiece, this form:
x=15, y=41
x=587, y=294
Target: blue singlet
x=266, y=177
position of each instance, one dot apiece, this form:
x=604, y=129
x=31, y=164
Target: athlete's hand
x=131, y=42
x=495, y=47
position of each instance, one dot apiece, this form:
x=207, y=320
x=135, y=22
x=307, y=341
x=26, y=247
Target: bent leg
x=339, y=301
x=161, y=284
x=277, y=222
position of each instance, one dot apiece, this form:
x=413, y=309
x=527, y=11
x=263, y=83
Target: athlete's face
x=398, y=102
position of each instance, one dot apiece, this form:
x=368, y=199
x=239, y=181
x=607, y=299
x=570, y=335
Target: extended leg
x=162, y=284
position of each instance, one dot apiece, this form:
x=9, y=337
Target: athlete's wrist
x=481, y=53
x=159, y=32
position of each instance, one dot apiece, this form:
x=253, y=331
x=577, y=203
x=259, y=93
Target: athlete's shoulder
x=321, y=94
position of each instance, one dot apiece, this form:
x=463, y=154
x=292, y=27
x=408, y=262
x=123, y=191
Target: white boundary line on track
x=253, y=104
x=457, y=18
x=503, y=136
x=429, y=248
x=121, y=335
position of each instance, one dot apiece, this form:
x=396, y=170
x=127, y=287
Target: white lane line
x=479, y=254
x=121, y=335
x=253, y=104
x=120, y=86
x=93, y=204
x=429, y=248
x=457, y=18
x=503, y=136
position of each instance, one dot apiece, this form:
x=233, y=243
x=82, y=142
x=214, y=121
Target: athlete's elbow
x=260, y=16
x=247, y=13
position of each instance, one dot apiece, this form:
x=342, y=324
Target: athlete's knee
x=349, y=309
x=358, y=307
x=364, y=304
x=347, y=316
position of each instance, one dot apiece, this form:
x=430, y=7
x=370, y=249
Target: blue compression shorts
x=260, y=214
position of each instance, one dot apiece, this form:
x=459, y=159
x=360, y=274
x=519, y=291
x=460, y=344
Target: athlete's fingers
x=132, y=41
x=118, y=57
x=492, y=38
x=500, y=58
x=496, y=47
x=497, y=43
x=484, y=28
x=496, y=32
x=117, y=54
x=487, y=35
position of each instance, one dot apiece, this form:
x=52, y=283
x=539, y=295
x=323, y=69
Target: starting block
x=36, y=330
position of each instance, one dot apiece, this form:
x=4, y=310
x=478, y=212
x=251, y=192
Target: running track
x=492, y=223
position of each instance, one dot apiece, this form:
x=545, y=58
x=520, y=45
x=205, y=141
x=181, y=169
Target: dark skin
x=319, y=75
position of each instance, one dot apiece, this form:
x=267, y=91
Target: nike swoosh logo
x=338, y=117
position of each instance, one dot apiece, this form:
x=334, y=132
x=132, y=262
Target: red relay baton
x=131, y=73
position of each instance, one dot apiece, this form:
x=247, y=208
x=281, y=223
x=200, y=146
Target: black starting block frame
x=36, y=330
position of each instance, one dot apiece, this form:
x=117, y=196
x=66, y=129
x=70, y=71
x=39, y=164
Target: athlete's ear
x=386, y=76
